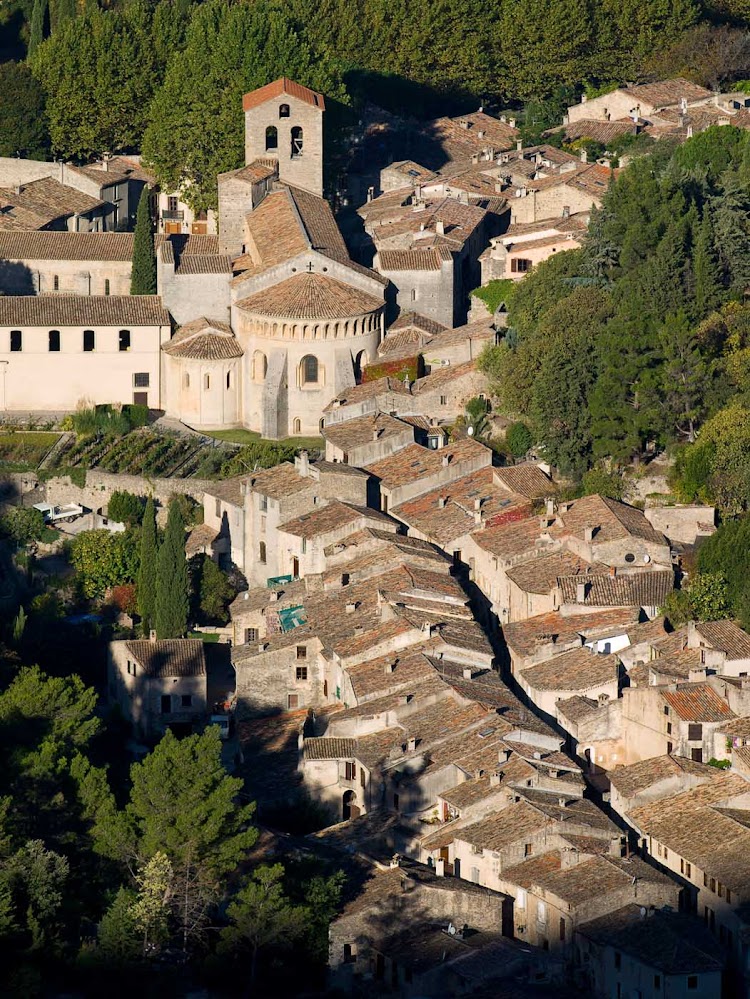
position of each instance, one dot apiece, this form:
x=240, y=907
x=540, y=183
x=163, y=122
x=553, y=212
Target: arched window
x=283, y=110
x=297, y=141
x=309, y=370
x=272, y=138
x=297, y=427
x=260, y=366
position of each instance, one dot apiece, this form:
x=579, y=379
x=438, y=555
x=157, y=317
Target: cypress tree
x=143, y=279
x=172, y=582
x=36, y=29
x=706, y=270
x=147, y=570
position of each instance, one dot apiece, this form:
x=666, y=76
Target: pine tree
x=143, y=280
x=38, y=24
x=706, y=270
x=147, y=570
x=172, y=582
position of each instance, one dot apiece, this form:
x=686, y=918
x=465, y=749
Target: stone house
x=682, y=523
x=446, y=390
x=78, y=263
x=46, y=203
x=678, y=718
x=523, y=246
x=582, y=594
x=366, y=439
x=202, y=366
x=583, y=672
x=643, y=950
x=255, y=613
x=655, y=778
x=57, y=352
x=283, y=672
x=159, y=685
x=645, y=100
x=224, y=515
x=193, y=278
x=383, y=395
x=458, y=346
x=415, y=469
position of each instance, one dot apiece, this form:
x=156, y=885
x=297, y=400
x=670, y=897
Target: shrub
x=495, y=293
x=406, y=367
x=598, y=480
x=518, y=439
x=126, y=508
x=23, y=525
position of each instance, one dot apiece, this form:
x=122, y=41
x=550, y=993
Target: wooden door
x=172, y=228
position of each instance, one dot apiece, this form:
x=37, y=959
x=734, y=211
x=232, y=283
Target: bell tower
x=284, y=123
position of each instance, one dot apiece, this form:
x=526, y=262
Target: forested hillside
x=166, y=77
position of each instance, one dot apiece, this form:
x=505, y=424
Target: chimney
x=519, y=145
x=263, y=646
x=395, y=861
x=440, y=227
x=477, y=504
x=495, y=780
x=152, y=635
x=350, y=608
x=550, y=508
x=375, y=434
x=441, y=502
x=427, y=627
x=512, y=122
x=580, y=593
x=391, y=667
x=467, y=673
x=603, y=700
x=247, y=594
x=613, y=571
x=584, y=98
x=584, y=156
x=588, y=533
x=411, y=744
x=304, y=464
x=273, y=596
x=566, y=211
x=440, y=867
x=446, y=460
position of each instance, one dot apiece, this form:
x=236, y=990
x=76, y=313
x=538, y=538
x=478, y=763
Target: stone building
x=74, y=263
x=645, y=100
x=202, y=374
x=59, y=352
x=159, y=685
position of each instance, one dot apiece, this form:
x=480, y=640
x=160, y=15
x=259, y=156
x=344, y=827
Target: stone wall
x=100, y=486
x=305, y=170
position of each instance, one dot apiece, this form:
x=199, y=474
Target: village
x=463, y=668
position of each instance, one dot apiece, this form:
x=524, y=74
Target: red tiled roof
x=281, y=87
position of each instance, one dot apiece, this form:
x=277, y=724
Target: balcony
x=175, y=216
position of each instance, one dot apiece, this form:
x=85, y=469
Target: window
x=692, y=982
x=54, y=340
x=166, y=704
x=309, y=370
x=283, y=110
x=301, y=672
x=260, y=366
x=521, y=898
x=297, y=141
x=297, y=427
x=414, y=294
x=302, y=652
x=630, y=557
x=89, y=339
x=141, y=379
x=272, y=138
x=443, y=400
x=251, y=635
x=263, y=504
x=123, y=340
x=719, y=889
x=345, y=578
x=670, y=747
x=618, y=960
x=666, y=709
x=16, y=341
x=207, y=382
x=712, y=885
x=562, y=929
x=696, y=755
x=56, y=283
x=350, y=771
x=106, y=286
x=186, y=380
x=527, y=848
x=172, y=203
x=695, y=732
x=229, y=379
x=350, y=955
x=475, y=875
x=362, y=775
x=292, y=701
x=520, y=265
x=657, y=981
x=395, y=801
x=729, y=895
x=186, y=700
x=669, y=728
x=541, y=912
x=262, y=553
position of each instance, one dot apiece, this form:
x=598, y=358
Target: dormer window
x=283, y=110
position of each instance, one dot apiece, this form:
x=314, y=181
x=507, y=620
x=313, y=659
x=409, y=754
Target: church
x=270, y=320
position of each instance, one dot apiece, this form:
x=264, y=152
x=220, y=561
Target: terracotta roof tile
x=204, y=339
x=310, y=296
x=416, y=462
x=330, y=749
x=82, y=310
x=643, y=775
x=48, y=199
x=427, y=258
x=447, y=375
x=334, y=515
x=725, y=636
x=580, y=669
x=362, y=430
x=524, y=637
x=612, y=520
x=640, y=589
x=66, y=246
x=279, y=88
x=540, y=575
x=169, y=657
x=666, y=93
x=698, y=702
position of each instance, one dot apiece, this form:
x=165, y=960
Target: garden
x=23, y=450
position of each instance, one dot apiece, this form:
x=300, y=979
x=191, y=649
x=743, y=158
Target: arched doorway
x=359, y=362
x=350, y=808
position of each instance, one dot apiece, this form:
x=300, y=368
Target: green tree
x=23, y=524
x=118, y=942
x=103, y=560
x=150, y=910
x=519, y=439
x=34, y=880
x=37, y=28
x=215, y=592
x=143, y=276
x=195, y=129
x=598, y=481
x=23, y=123
x=172, y=601
x=126, y=508
x=262, y=916
x=708, y=279
x=147, y=568
x=685, y=377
